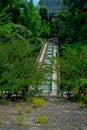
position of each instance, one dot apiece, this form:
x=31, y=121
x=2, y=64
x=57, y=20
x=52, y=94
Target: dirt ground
x=62, y=115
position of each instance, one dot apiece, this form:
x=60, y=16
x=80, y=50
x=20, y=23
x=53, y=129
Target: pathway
x=49, y=50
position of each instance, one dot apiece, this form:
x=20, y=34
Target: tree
x=30, y=18
x=75, y=6
x=43, y=11
x=73, y=66
x=45, y=30
x=20, y=29
x=18, y=53
x=5, y=16
x=70, y=28
x=24, y=13
x=31, y=1
x=18, y=67
x=40, y=2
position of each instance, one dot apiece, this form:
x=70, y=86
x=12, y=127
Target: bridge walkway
x=50, y=50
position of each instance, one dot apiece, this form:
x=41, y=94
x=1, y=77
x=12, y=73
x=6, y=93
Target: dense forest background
x=21, y=37
x=72, y=33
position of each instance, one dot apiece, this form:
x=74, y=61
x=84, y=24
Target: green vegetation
x=19, y=109
x=43, y=13
x=71, y=27
x=20, y=119
x=42, y=119
x=81, y=104
x=21, y=35
x=28, y=109
x=69, y=126
x=1, y=121
x=38, y=102
x=73, y=66
x=23, y=28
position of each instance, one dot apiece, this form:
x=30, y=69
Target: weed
x=26, y=125
x=69, y=126
x=42, y=119
x=19, y=109
x=28, y=109
x=1, y=121
x=20, y=119
x=38, y=102
x=81, y=104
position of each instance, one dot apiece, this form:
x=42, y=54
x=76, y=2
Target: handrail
x=42, y=52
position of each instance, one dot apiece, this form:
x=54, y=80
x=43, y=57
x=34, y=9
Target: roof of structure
x=53, y=5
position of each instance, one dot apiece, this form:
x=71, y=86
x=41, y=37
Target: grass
x=20, y=119
x=69, y=126
x=81, y=104
x=42, y=119
x=28, y=109
x=38, y=102
x=19, y=107
x=1, y=121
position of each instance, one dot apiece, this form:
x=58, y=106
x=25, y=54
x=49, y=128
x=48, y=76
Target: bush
x=82, y=34
x=79, y=97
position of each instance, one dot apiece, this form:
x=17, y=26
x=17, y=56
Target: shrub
x=86, y=99
x=28, y=99
x=78, y=97
x=3, y=100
